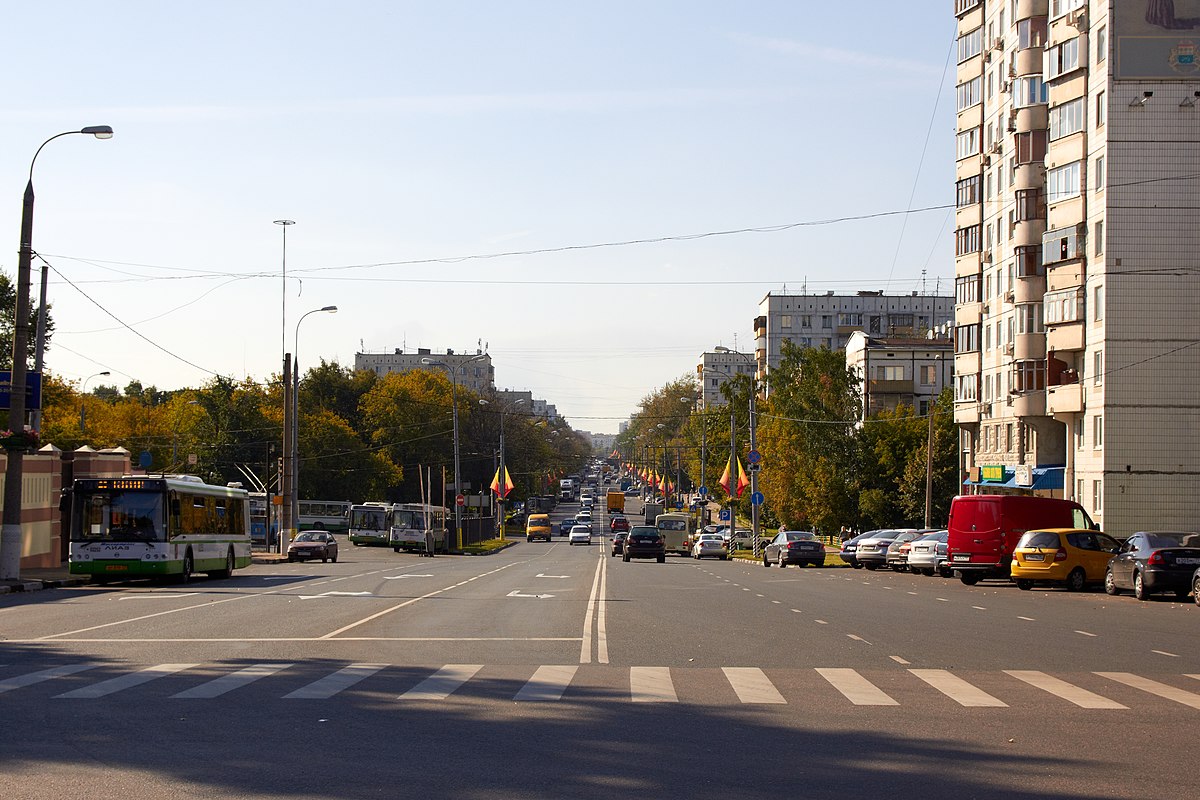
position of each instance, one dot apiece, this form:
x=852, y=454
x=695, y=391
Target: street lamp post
x=294, y=499
x=14, y=474
x=502, y=471
x=430, y=362
x=83, y=400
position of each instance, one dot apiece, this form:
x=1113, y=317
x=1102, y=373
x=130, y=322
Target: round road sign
x=757, y=499
x=460, y=500
x=754, y=456
x=703, y=490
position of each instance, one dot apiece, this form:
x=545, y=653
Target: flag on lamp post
x=742, y=480
x=502, y=491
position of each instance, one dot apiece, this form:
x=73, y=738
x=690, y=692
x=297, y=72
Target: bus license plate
x=116, y=568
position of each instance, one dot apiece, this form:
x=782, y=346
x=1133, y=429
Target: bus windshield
x=409, y=520
x=119, y=516
x=369, y=519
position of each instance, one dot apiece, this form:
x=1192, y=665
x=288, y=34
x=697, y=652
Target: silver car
x=927, y=555
x=710, y=545
x=580, y=534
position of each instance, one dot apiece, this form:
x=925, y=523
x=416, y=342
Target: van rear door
x=975, y=535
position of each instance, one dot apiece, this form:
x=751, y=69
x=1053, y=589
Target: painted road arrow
x=540, y=575
x=398, y=577
x=517, y=593
x=335, y=594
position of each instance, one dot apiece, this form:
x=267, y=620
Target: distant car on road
x=618, y=524
x=580, y=534
x=618, y=543
x=313, y=544
x=565, y=526
x=644, y=541
x=710, y=545
x=1067, y=556
x=795, y=547
x=1154, y=561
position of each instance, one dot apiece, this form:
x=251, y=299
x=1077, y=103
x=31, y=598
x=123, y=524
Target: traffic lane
x=699, y=613
x=604, y=747
x=987, y=625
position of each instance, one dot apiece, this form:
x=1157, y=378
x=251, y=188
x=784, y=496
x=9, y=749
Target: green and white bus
x=370, y=523
x=331, y=516
x=139, y=526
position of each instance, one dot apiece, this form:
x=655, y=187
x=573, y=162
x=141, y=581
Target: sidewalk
x=36, y=579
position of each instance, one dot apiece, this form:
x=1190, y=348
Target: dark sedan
x=644, y=541
x=565, y=526
x=618, y=543
x=794, y=547
x=1154, y=561
x=849, y=551
x=313, y=544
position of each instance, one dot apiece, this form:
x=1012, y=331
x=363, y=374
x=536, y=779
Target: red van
x=984, y=529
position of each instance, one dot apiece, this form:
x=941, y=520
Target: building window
x=1060, y=7
x=1079, y=434
x=890, y=372
x=1098, y=237
x=826, y=321
x=785, y=321
x=1098, y=303
x=1031, y=147
x=1101, y=43
x=1029, y=318
x=966, y=240
x=966, y=388
x=1062, y=58
x=1061, y=244
x=848, y=320
x=805, y=321
x=1067, y=118
x=966, y=191
x=1098, y=367
x=1027, y=91
x=1031, y=33
x=1097, y=497
x=1098, y=431
x=967, y=143
x=928, y=375
x=1101, y=109
x=1008, y=437
x=1098, y=172
x=963, y=6
x=966, y=289
x=966, y=338
x=987, y=338
x=968, y=93
x=970, y=44
x=1030, y=205
x=1029, y=376
x=1029, y=261
x=1065, y=182
x=1062, y=306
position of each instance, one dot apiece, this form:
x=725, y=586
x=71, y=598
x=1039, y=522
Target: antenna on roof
x=922, y=283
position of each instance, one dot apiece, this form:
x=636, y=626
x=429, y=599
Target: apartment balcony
x=968, y=314
x=846, y=330
x=968, y=264
x=1063, y=338
x=968, y=215
x=1029, y=404
x=1032, y=118
x=1064, y=399
x=1029, y=290
x=966, y=413
x=1029, y=347
x=1030, y=8
x=1028, y=233
x=1030, y=176
x=882, y=387
x=966, y=363
x=1028, y=61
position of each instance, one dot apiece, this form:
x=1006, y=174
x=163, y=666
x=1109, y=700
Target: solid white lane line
x=548, y=683
x=752, y=685
x=957, y=689
x=651, y=685
x=979, y=608
x=585, y=648
x=22, y=681
x=410, y=601
x=602, y=616
x=234, y=680
x=125, y=681
x=820, y=622
x=1060, y=688
x=1154, y=687
x=855, y=688
x=899, y=660
x=1027, y=619
x=336, y=682
x=1085, y=633
x=157, y=596
x=1164, y=653
x=442, y=683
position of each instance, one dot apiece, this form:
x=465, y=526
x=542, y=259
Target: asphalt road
x=550, y=671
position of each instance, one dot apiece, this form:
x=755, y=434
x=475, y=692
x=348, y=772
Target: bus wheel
x=188, y=566
x=227, y=571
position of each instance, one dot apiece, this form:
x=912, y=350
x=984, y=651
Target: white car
x=580, y=534
x=710, y=544
x=584, y=518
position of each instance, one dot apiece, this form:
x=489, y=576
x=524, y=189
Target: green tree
x=946, y=478
x=8, y=316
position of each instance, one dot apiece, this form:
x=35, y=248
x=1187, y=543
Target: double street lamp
x=14, y=475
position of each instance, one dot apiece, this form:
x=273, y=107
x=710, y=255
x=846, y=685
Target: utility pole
x=753, y=475
x=929, y=467
x=286, y=520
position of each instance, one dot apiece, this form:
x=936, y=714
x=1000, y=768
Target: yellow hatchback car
x=1073, y=557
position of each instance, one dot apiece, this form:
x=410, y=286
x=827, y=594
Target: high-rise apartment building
x=715, y=368
x=471, y=370
x=1077, y=332
x=828, y=320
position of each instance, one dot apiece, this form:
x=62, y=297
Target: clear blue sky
x=401, y=131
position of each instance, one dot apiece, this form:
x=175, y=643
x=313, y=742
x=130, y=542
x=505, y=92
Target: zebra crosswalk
x=553, y=683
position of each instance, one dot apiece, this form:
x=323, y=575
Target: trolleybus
x=139, y=526
x=332, y=516
x=370, y=523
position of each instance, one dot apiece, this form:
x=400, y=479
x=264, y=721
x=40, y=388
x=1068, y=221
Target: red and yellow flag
x=742, y=480
x=502, y=490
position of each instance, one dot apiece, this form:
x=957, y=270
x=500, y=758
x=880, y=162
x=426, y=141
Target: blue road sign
x=757, y=498
x=754, y=456
x=723, y=514
x=703, y=490
x=678, y=506
x=145, y=459
x=33, y=389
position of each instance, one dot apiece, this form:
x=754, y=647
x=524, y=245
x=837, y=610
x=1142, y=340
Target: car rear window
x=1043, y=539
x=1173, y=540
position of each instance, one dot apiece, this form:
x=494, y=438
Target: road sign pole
x=754, y=473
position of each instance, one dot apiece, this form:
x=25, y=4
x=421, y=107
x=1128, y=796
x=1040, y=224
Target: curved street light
x=14, y=472
x=294, y=432
x=83, y=398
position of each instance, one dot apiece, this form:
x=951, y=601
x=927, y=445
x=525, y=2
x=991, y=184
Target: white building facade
x=473, y=371
x=715, y=368
x=900, y=371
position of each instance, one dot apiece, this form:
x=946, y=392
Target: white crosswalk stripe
x=957, y=689
x=125, y=681
x=1162, y=690
x=548, y=683
x=651, y=685
x=752, y=685
x=1060, y=688
x=442, y=683
x=227, y=683
x=22, y=681
x=334, y=683
x=855, y=688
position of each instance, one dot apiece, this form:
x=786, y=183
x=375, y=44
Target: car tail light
x=1156, y=558
x=1061, y=555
